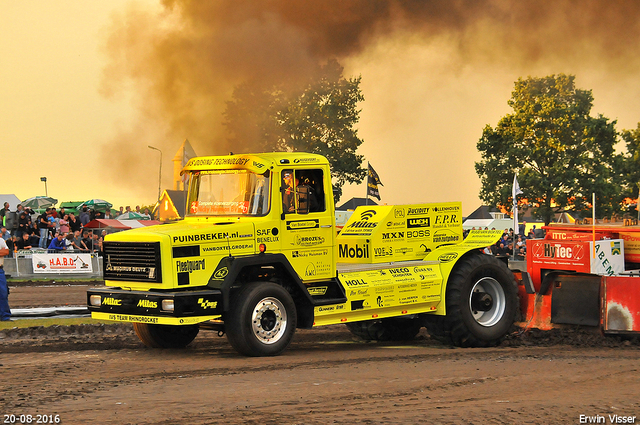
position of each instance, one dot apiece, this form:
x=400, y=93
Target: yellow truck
x=258, y=256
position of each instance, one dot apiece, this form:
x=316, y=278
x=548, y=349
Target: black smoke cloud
x=184, y=62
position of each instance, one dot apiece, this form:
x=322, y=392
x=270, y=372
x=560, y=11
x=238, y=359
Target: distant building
x=184, y=154
x=11, y=199
x=353, y=203
x=489, y=217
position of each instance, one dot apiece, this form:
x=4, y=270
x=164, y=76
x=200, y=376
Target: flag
x=516, y=187
x=372, y=183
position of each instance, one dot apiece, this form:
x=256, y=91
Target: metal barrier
x=21, y=265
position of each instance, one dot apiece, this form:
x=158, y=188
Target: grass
x=31, y=323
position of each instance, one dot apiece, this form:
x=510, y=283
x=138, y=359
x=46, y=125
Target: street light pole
x=160, y=172
x=44, y=179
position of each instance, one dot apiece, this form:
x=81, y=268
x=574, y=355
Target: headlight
x=95, y=300
x=167, y=305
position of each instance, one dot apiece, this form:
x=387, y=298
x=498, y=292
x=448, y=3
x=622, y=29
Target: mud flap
x=575, y=300
x=621, y=305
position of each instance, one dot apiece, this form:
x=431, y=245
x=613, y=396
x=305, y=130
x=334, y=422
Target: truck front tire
x=262, y=319
x=482, y=303
x=165, y=336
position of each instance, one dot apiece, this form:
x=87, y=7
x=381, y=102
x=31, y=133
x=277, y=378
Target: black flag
x=372, y=183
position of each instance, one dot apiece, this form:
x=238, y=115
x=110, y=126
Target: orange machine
x=583, y=275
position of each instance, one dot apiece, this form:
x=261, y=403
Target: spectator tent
x=102, y=223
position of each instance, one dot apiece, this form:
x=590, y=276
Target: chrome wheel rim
x=490, y=290
x=269, y=320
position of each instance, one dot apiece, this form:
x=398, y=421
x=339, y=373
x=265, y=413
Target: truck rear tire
x=262, y=319
x=392, y=329
x=482, y=303
x=166, y=336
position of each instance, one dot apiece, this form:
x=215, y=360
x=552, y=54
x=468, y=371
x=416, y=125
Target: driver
x=288, y=195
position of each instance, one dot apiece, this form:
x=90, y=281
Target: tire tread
x=452, y=329
x=238, y=328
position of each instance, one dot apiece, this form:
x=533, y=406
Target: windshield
x=237, y=192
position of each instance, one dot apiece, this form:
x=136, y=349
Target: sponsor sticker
x=317, y=290
x=445, y=236
x=308, y=240
x=446, y=220
x=152, y=320
x=205, y=304
x=419, y=222
x=450, y=256
x=190, y=265
x=147, y=304
x=310, y=270
x=355, y=282
x=221, y=273
x=302, y=224
x=217, y=236
x=355, y=251
x=418, y=211
x=309, y=253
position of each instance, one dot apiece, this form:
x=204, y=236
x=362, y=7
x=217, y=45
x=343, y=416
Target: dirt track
x=103, y=374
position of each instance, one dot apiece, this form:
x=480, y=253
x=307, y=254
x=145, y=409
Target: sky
x=86, y=87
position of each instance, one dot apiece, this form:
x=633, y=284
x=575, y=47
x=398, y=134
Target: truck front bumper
x=162, y=308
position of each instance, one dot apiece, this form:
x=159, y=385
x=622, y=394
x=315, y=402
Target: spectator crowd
x=54, y=230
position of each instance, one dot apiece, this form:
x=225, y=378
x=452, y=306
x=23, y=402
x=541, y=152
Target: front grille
x=132, y=261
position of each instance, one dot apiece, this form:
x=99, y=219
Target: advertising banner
x=631, y=246
x=68, y=262
x=559, y=255
x=609, y=259
x=576, y=256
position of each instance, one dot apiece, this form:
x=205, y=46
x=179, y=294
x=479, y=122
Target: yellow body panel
x=256, y=163
x=379, y=234
x=384, y=290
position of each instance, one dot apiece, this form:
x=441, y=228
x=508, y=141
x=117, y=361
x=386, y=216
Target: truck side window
x=310, y=190
x=303, y=191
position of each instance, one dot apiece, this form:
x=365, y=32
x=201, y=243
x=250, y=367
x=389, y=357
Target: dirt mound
x=121, y=335
x=575, y=336
x=72, y=337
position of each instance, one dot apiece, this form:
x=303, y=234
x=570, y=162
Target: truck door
x=307, y=230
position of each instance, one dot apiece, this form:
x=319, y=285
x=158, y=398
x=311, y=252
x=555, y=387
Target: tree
x=630, y=164
x=561, y=154
x=317, y=116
